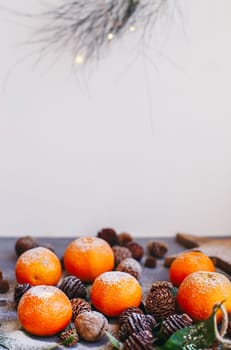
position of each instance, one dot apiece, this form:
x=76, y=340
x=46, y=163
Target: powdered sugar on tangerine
x=114, y=277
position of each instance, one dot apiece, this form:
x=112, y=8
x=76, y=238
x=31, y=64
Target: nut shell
x=91, y=326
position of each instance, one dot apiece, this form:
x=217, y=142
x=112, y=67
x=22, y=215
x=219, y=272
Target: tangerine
x=44, y=310
x=187, y=263
x=88, y=257
x=113, y=292
x=200, y=291
x=38, y=266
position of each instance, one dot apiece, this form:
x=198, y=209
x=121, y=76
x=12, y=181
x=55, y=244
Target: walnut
x=91, y=325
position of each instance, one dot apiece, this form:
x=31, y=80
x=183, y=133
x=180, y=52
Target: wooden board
x=217, y=248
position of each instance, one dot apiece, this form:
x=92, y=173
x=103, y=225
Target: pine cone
x=157, y=249
x=109, y=235
x=121, y=253
x=73, y=287
x=19, y=290
x=69, y=337
x=141, y=341
x=172, y=323
x=136, y=249
x=160, y=301
x=124, y=238
x=136, y=323
x=79, y=306
x=126, y=313
x=130, y=266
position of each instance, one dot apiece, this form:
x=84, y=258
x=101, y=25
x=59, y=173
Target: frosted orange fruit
x=187, y=263
x=113, y=292
x=200, y=291
x=38, y=266
x=88, y=257
x=44, y=310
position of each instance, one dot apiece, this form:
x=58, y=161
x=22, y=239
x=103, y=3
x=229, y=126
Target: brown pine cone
x=135, y=323
x=19, y=290
x=73, y=287
x=109, y=235
x=121, y=253
x=69, y=337
x=136, y=249
x=126, y=313
x=157, y=249
x=124, y=238
x=172, y=323
x=79, y=306
x=130, y=266
x=140, y=341
x=160, y=301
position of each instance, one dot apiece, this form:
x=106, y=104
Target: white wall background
x=142, y=146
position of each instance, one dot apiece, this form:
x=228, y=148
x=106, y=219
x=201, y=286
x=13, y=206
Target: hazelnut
x=91, y=325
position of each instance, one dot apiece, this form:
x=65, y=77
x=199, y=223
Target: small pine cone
x=172, y=323
x=79, y=306
x=121, y=253
x=136, y=249
x=130, y=266
x=134, y=324
x=19, y=290
x=73, y=287
x=157, y=249
x=69, y=337
x=109, y=235
x=124, y=238
x=160, y=301
x=139, y=341
x=150, y=262
x=126, y=313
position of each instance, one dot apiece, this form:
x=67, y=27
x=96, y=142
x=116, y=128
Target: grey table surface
x=8, y=258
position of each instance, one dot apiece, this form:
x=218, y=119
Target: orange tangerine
x=187, y=263
x=44, y=310
x=200, y=291
x=113, y=292
x=88, y=257
x=38, y=266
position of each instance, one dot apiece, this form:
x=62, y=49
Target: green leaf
x=117, y=345
x=198, y=336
